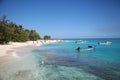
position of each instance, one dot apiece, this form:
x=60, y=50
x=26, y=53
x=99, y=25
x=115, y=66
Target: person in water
x=78, y=49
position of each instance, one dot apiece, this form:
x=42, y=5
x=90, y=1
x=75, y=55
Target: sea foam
x=14, y=54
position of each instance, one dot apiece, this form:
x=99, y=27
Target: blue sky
x=66, y=18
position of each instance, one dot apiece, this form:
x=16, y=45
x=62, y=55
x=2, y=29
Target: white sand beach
x=6, y=49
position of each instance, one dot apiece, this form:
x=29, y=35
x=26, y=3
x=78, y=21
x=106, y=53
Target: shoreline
x=7, y=51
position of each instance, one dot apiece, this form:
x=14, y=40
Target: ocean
x=61, y=61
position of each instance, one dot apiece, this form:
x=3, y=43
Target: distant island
x=9, y=31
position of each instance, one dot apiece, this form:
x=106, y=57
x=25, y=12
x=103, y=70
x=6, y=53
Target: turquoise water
x=61, y=61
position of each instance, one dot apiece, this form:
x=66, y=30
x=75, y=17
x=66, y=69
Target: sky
x=66, y=18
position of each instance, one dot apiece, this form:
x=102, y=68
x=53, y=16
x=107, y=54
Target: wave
x=14, y=54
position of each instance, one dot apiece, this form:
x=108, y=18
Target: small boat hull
x=80, y=42
x=86, y=49
x=105, y=43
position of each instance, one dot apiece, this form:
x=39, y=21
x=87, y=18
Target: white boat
x=105, y=43
x=86, y=49
x=80, y=41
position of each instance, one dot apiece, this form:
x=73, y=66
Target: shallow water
x=61, y=61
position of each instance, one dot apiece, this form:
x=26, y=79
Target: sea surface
x=61, y=61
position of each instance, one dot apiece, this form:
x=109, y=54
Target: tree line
x=10, y=31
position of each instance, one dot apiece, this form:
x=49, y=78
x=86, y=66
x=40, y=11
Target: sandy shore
x=6, y=50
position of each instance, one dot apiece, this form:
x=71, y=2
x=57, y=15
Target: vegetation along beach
x=59, y=39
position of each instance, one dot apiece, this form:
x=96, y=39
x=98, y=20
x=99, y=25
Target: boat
x=85, y=49
x=80, y=41
x=104, y=43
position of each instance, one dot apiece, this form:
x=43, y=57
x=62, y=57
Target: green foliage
x=20, y=36
x=46, y=37
x=9, y=31
x=33, y=35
